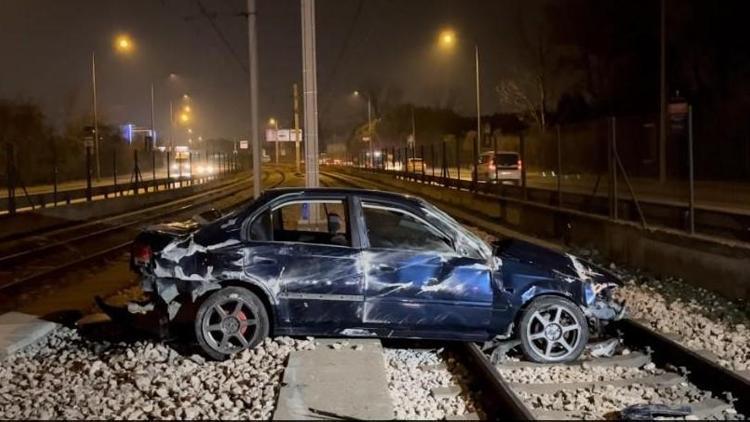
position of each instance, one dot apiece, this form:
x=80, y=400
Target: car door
x=320, y=273
x=416, y=284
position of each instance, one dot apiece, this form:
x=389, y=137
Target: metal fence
x=607, y=167
x=122, y=173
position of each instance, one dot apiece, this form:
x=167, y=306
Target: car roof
x=367, y=193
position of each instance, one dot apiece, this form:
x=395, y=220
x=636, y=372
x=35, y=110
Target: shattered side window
x=390, y=228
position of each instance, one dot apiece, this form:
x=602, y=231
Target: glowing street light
x=272, y=121
x=186, y=109
x=184, y=118
x=447, y=38
x=123, y=43
x=190, y=130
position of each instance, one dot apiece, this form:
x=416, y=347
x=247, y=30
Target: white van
x=502, y=167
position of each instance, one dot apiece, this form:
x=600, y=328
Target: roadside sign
x=281, y=135
x=243, y=144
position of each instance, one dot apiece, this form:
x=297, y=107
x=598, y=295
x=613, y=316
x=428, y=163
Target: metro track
x=42, y=256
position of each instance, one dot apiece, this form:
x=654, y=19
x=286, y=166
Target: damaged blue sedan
x=358, y=263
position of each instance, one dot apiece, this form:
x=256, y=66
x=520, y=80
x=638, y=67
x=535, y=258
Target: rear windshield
x=506, y=159
x=485, y=158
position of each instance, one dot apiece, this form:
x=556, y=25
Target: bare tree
x=534, y=85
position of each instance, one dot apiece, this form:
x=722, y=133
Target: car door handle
x=387, y=268
x=261, y=260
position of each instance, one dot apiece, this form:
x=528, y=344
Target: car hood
x=561, y=264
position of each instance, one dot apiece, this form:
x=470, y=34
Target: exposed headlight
x=589, y=295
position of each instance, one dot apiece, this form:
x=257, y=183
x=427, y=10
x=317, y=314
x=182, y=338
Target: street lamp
x=447, y=40
x=275, y=123
x=369, y=125
x=123, y=44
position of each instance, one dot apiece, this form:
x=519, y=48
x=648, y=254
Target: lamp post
x=275, y=123
x=123, y=44
x=370, y=132
x=447, y=40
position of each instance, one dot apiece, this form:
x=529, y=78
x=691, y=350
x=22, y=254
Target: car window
x=395, y=229
x=311, y=221
x=506, y=159
x=260, y=229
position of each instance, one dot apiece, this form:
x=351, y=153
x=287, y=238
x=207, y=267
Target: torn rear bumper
x=146, y=316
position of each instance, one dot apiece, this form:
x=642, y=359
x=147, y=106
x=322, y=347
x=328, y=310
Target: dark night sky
x=386, y=45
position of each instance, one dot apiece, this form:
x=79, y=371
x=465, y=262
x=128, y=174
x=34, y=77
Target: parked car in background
x=358, y=263
x=500, y=167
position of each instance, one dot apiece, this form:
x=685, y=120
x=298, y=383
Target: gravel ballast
x=66, y=376
x=414, y=373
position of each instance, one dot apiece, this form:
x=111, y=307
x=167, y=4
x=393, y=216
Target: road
x=731, y=197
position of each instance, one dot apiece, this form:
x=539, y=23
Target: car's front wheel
x=553, y=329
x=230, y=320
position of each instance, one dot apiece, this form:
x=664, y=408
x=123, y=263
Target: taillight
x=520, y=164
x=141, y=254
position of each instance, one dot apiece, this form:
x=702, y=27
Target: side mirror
x=207, y=216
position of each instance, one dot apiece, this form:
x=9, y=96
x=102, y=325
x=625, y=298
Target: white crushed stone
x=694, y=323
x=68, y=377
x=410, y=386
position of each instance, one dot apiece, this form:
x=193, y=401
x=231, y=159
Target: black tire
x=242, y=325
x=556, y=321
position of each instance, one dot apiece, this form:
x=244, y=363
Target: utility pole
x=413, y=127
x=369, y=131
x=296, y=127
x=310, y=90
x=171, y=126
x=478, y=144
x=253, y=55
x=662, y=96
x=96, y=120
x=153, y=130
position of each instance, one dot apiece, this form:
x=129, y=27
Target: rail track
x=39, y=256
x=657, y=364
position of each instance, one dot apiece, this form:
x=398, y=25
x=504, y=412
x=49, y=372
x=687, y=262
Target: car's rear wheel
x=553, y=329
x=230, y=320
